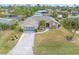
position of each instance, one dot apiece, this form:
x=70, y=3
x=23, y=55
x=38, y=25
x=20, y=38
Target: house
x=74, y=13
x=15, y=17
x=41, y=12
x=32, y=22
x=59, y=16
x=6, y=21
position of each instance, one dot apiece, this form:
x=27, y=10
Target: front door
x=47, y=24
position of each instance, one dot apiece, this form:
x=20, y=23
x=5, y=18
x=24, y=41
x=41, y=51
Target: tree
x=54, y=14
x=14, y=24
x=42, y=24
x=65, y=14
x=71, y=24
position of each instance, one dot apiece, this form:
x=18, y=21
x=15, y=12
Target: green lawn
x=54, y=42
x=6, y=42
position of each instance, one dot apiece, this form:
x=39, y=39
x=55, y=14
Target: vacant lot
x=54, y=42
x=8, y=40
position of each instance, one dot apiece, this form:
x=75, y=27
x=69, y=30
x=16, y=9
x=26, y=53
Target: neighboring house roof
x=17, y=18
x=59, y=16
x=34, y=20
x=6, y=21
x=41, y=12
x=74, y=12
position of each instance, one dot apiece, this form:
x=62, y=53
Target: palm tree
x=42, y=24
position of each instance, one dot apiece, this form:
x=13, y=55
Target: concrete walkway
x=43, y=31
x=24, y=45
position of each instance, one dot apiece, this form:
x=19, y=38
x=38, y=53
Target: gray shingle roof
x=5, y=20
x=40, y=11
x=34, y=20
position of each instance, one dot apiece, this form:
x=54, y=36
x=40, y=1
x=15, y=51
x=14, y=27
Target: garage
x=29, y=28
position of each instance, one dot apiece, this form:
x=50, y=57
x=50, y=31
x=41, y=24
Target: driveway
x=24, y=45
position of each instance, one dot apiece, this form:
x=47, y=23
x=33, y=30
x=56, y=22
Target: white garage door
x=29, y=29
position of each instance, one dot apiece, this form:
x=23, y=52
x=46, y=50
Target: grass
x=54, y=42
x=6, y=43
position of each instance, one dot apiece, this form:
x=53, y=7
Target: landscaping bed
x=54, y=42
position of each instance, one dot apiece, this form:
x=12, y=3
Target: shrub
x=36, y=30
x=69, y=38
x=12, y=39
x=16, y=36
x=20, y=29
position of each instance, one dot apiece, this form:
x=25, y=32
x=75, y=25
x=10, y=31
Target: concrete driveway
x=24, y=45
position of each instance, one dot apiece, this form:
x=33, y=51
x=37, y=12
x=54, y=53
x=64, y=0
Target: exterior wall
x=54, y=24
x=57, y=26
x=50, y=24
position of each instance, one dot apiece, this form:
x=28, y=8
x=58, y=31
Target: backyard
x=54, y=42
x=8, y=40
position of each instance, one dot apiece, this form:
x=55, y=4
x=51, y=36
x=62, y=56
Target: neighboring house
x=6, y=21
x=32, y=22
x=42, y=12
x=74, y=13
x=59, y=16
x=17, y=18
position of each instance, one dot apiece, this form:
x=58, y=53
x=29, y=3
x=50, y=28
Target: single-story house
x=15, y=17
x=74, y=13
x=32, y=23
x=6, y=21
x=59, y=16
x=42, y=12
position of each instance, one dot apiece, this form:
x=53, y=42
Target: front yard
x=8, y=40
x=54, y=42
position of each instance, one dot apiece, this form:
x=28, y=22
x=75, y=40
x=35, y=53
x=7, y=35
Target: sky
x=39, y=2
